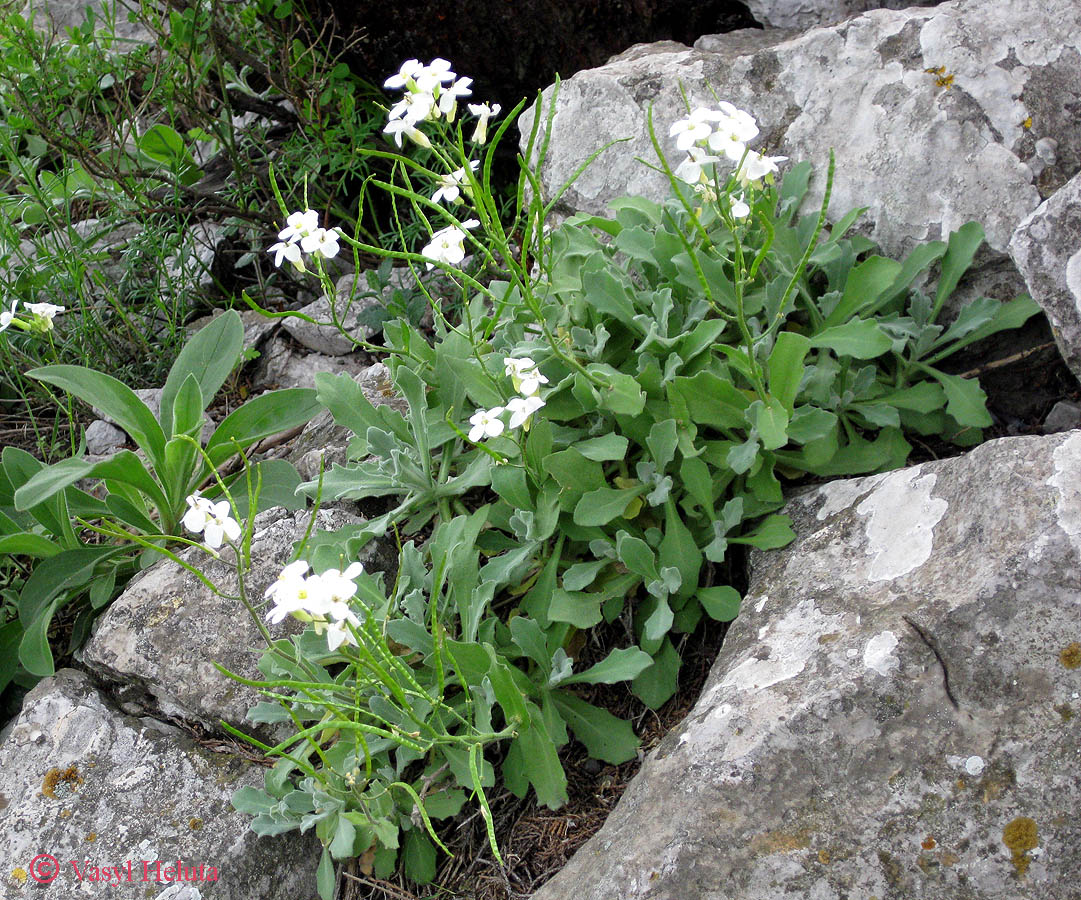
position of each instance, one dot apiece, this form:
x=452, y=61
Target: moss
x=55, y=778
x=1070, y=656
x=1020, y=836
x=1064, y=710
x=195, y=824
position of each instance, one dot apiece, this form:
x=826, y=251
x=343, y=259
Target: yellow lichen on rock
x=1020, y=836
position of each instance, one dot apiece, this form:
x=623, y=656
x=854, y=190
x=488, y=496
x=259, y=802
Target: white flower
x=295, y=571
x=45, y=312
x=690, y=170
x=413, y=107
x=739, y=207
x=517, y=368
x=486, y=423
x=294, y=593
x=436, y=73
x=299, y=225
x=323, y=241
x=484, y=112
x=525, y=375
x=732, y=132
x=283, y=250
x=450, y=186
x=8, y=316
x=399, y=127
x=337, y=634
x=409, y=71
x=448, y=244
x=448, y=96
x=199, y=510
x=689, y=131
x=756, y=166
x=339, y=584
x=521, y=408
x=212, y=520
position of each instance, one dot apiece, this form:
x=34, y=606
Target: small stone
x=974, y=765
x=103, y=438
x=1064, y=416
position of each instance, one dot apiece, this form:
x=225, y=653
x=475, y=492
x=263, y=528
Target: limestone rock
x=352, y=298
x=1047, y=249
x=103, y=438
x=161, y=637
x=896, y=712
x=83, y=783
x=925, y=151
x=282, y=366
x=807, y=13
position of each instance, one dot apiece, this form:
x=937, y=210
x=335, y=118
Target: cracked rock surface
x=895, y=712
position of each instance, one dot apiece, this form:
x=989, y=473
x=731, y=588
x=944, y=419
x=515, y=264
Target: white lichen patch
x=785, y=648
x=878, y=654
x=1073, y=278
x=842, y=494
x=901, y=515
x=1067, y=482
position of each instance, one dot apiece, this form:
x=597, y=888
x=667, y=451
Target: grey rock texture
x=83, y=783
x=160, y=638
x=58, y=16
x=808, y=13
x=1047, y=250
x=894, y=714
x=926, y=153
x=282, y=366
x=103, y=438
x=351, y=298
x=1064, y=416
x=323, y=440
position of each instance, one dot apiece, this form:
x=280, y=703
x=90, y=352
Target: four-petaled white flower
x=323, y=241
x=409, y=71
x=299, y=225
x=412, y=108
x=448, y=244
x=450, y=186
x=739, y=207
x=289, y=250
x=484, y=112
x=688, y=131
x=690, y=170
x=433, y=75
x=448, y=96
x=486, y=423
x=398, y=128
x=8, y=316
x=45, y=313
x=212, y=520
x=521, y=408
x=732, y=132
x=757, y=166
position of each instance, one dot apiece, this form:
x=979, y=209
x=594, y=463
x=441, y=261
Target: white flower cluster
x=211, y=520
x=432, y=91
x=322, y=599
x=448, y=244
x=527, y=380
x=303, y=233
x=42, y=313
x=726, y=131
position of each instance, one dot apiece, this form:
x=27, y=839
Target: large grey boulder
x=895, y=712
x=1047, y=250
x=925, y=151
x=807, y=13
x=160, y=639
x=87, y=785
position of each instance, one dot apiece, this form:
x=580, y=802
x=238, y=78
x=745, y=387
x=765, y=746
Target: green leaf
x=529, y=637
x=35, y=654
x=115, y=399
x=623, y=395
x=123, y=466
x=860, y=338
x=770, y=420
x=924, y=397
x=607, y=447
x=658, y=623
x=209, y=356
x=606, y=738
x=678, y=549
x=785, y=367
x=28, y=544
x=261, y=417
x=965, y=399
x=720, y=602
x=582, y=609
x=506, y=691
x=278, y=482
x=573, y=471
x=775, y=531
x=866, y=283
x=582, y=575
x=510, y=483
x=542, y=766
x=962, y=247
x=601, y=506
x=659, y=682
x=418, y=857
x=324, y=875
x=188, y=409
x=619, y=665
x=637, y=556
x=662, y=441
x=710, y=400
x=341, y=847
